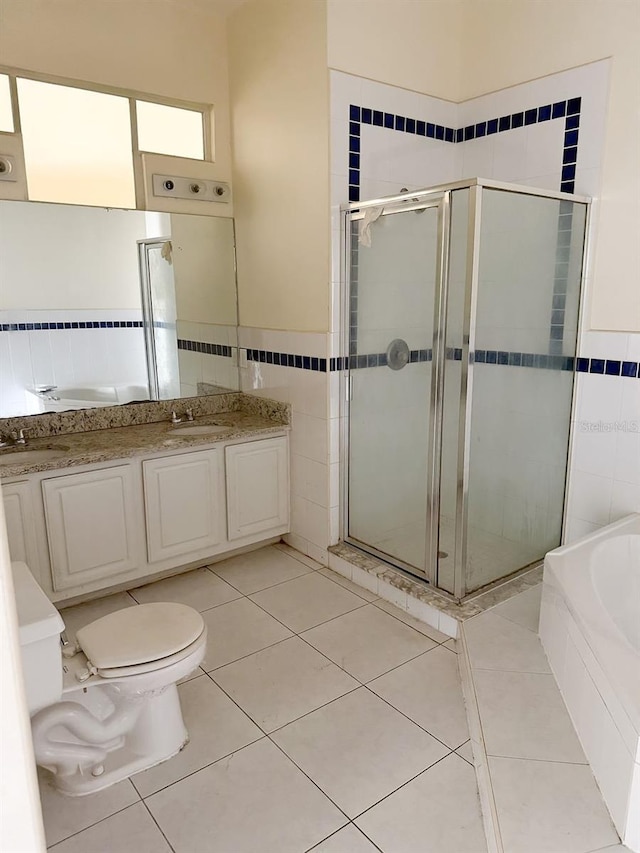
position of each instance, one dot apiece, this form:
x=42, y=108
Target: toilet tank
x=39, y=625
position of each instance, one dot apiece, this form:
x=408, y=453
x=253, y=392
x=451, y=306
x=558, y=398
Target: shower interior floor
x=488, y=556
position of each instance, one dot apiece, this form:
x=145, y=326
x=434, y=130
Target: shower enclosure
x=462, y=307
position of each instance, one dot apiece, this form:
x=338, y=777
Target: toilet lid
x=137, y=635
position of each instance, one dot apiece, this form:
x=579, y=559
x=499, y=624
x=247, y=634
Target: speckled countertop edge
x=244, y=420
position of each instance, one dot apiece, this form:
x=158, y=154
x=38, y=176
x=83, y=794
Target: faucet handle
x=22, y=436
x=174, y=418
x=189, y=414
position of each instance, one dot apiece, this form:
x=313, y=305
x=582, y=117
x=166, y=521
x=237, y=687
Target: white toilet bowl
x=106, y=707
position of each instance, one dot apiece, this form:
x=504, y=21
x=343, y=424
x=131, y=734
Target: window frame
x=131, y=95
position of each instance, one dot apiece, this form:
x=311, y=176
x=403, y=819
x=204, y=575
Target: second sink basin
x=198, y=429
x=24, y=457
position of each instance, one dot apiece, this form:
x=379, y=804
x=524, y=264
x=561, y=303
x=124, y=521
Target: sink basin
x=198, y=429
x=23, y=457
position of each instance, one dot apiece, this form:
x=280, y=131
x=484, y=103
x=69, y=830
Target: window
x=6, y=114
x=77, y=145
x=170, y=130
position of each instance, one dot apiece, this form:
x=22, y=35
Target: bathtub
x=87, y=396
x=590, y=630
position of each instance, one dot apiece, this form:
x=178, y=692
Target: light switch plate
x=194, y=189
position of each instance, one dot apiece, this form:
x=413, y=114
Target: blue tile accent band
x=206, y=348
x=81, y=324
x=568, y=110
x=507, y=358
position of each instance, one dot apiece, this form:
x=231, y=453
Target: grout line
x=333, y=834
x=102, y=819
x=158, y=825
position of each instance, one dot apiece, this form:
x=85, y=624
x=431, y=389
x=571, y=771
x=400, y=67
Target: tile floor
x=322, y=719
x=546, y=798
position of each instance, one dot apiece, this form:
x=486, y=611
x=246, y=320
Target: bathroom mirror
x=101, y=306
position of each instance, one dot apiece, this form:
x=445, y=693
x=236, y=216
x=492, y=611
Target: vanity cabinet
x=184, y=503
x=112, y=524
x=21, y=526
x=92, y=526
x=257, y=487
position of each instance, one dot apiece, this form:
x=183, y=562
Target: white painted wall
x=61, y=257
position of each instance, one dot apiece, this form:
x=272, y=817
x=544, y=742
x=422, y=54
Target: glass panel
x=160, y=315
x=170, y=130
x=392, y=299
x=6, y=113
x=530, y=267
x=77, y=145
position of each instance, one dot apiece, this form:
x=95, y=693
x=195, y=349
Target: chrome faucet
x=14, y=439
x=22, y=438
x=189, y=414
x=174, y=418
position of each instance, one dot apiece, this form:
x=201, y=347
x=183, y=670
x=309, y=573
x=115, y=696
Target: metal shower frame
x=440, y=197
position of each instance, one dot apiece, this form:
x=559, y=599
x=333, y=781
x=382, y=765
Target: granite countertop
x=103, y=445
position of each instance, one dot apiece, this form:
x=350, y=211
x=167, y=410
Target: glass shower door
x=394, y=298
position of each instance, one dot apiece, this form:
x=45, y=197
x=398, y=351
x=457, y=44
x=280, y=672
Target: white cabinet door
x=257, y=487
x=21, y=528
x=92, y=525
x=184, y=504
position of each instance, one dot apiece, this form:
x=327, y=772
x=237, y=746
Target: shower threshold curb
x=415, y=597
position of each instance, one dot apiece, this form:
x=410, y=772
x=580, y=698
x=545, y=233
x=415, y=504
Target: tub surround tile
x=367, y=642
x=255, y=799
x=283, y=682
x=131, y=829
x=437, y=811
x=358, y=749
x=200, y=589
x=548, y=806
x=216, y=726
x=259, y=570
x=65, y=816
x=427, y=690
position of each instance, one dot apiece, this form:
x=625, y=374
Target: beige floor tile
x=616, y=848
x=523, y=716
x=81, y=614
x=428, y=690
x=347, y=584
x=64, y=816
x=368, y=642
x=439, y=811
x=497, y=643
x=283, y=682
x=451, y=645
x=466, y=751
x=549, y=807
x=258, y=570
x=307, y=601
x=523, y=609
x=255, y=801
x=298, y=555
x=358, y=749
x=216, y=728
x=237, y=629
x=200, y=589
x=403, y=616
x=347, y=840
x=130, y=831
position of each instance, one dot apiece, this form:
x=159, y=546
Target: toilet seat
x=141, y=639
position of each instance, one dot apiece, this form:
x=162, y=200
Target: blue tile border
x=569, y=110
x=205, y=348
x=80, y=324
x=505, y=358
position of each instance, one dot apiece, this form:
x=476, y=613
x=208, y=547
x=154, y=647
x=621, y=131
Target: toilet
x=107, y=706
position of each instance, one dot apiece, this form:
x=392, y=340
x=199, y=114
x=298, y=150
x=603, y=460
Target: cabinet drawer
x=91, y=525
x=184, y=504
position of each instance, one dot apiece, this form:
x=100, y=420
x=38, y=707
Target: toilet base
x=119, y=765
x=157, y=735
